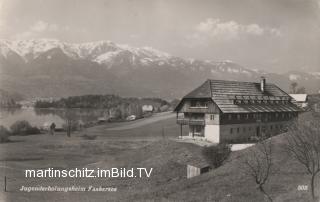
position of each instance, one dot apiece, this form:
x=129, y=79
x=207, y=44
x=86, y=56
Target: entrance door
x=197, y=131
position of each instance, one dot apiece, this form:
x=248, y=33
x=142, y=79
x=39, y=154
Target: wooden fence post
x=5, y=183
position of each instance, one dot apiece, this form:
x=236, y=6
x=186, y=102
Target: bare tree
x=258, y=165
x=301, y=90
x=293, y=87
x=303, y=142
x=70, y=121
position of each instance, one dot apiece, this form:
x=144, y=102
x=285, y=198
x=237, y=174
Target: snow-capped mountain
x=102, y=52
x=63, y=69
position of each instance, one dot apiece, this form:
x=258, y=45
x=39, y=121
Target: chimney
x=262, y=84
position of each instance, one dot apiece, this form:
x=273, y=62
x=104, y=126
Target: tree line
x=98, y=101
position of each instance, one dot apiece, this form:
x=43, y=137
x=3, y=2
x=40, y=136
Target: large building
x=233, y=111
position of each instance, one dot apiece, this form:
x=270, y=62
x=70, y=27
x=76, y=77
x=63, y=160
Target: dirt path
x=145, y=121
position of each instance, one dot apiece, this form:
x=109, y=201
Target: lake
x=38, y=117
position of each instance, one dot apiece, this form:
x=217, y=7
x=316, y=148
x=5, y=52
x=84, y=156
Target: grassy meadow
x=152, y=146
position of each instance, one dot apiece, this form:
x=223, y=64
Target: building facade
x=233, y=111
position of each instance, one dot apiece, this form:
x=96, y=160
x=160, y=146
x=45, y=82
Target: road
x=145, y=121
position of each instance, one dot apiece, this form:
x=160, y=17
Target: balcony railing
x=184, y=121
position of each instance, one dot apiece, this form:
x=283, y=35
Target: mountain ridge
x=63, y=69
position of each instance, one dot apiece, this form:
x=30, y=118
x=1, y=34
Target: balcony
x=184, y=121
x=196, y=110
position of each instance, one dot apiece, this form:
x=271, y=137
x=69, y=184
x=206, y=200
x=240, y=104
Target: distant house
x=300, y=99
x=147, y=108
x=233, y=111
x=102, y=119
x=316, y=107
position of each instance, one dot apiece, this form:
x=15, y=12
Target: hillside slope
x=227, y=183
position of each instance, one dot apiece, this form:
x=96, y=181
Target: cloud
x=254, y=29
x=1, y=15
x=228, y=31
x=39, y=28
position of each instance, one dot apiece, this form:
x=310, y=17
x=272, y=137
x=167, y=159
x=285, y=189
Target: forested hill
x=100, y=101
x=9, y=99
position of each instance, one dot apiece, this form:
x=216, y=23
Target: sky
x=272, y=35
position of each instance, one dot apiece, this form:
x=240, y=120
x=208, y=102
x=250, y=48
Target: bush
x=23, y=128
x=216, y=154
x=4, y=134
x=73, y=126
x=164, y=108
x=89, y=137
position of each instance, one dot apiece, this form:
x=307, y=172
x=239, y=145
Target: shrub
x=216, y=154
x=4, y=134
x=89, y=137
x=72, y=125
x=23, y=128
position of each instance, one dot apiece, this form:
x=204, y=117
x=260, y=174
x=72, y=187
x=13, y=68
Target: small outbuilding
x=196, y=168
x=300, y=100
x=147, y=108
x=102, y=119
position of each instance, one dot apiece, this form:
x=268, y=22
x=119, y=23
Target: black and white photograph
x=160, y=100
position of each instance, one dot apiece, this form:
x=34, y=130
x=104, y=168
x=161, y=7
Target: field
x=143, y=143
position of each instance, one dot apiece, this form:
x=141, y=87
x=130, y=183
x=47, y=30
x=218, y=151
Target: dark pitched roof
x=224, y=94
x=203, y=91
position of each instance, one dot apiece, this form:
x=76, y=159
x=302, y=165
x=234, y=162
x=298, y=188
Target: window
x=204, y=104
x=193, y=104
x=238, y=116
x=244, y=129
x=271, y=127
x=247, y=116
x=231, y=130
x=211, y=117
x=249, y=128
x=229, y=116
x=238, y=130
